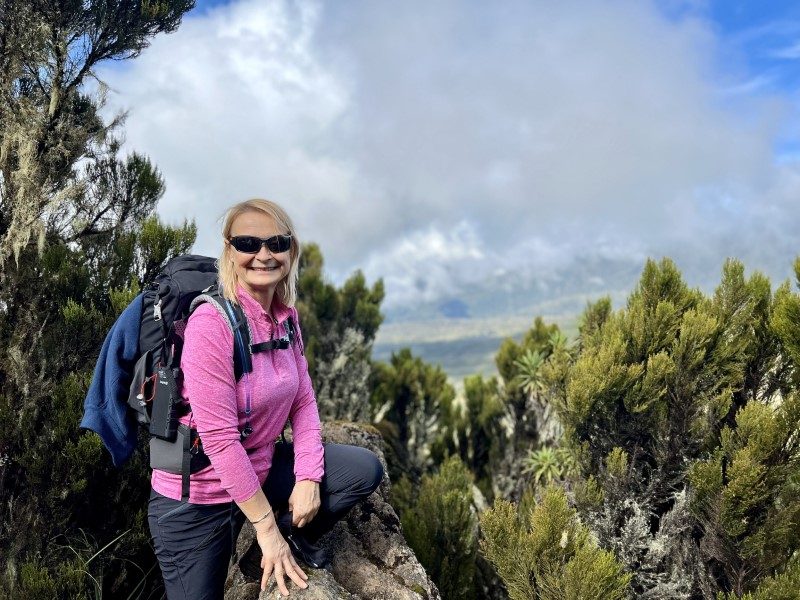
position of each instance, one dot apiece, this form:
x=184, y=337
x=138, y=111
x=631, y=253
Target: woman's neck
x=263, y=297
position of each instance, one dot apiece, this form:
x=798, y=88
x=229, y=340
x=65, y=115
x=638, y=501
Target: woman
x=307, y=484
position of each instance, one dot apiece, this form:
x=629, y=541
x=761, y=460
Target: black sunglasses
x=250, y=244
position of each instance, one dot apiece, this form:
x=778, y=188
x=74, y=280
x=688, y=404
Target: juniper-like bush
x=553, y=557
x=441, y=528
x=685, y=406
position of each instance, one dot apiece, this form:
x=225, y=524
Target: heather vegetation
x=655, y=456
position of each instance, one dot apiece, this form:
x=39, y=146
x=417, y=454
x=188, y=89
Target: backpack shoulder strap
x=237, y=321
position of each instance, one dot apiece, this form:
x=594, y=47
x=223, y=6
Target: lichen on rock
x=370, y=558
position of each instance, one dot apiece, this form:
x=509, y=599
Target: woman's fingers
x=279, y=580
x=268, y=568
x=297, y=568
x=294, y=573
x=301, y=519
x=285, y=566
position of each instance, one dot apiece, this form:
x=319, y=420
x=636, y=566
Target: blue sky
x=760, y=51
x=491, y=153
x=203, y=6
x=766, y=37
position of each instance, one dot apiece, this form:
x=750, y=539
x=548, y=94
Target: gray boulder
x=370, y=559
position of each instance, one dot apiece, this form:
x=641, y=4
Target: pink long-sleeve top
x=280, y=389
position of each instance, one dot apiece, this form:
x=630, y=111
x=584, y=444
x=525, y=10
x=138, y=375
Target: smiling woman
x=261, y=252
x=291, y=493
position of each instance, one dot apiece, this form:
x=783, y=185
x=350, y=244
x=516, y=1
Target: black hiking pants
x=194, y=542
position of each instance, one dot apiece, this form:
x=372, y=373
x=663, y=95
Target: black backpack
x=185, y=283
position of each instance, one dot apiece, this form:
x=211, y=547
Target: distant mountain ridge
x=463, y=332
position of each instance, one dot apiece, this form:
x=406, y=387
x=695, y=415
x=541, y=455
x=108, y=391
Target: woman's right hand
x=277, y=558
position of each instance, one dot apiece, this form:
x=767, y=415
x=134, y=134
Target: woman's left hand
x=304, y=502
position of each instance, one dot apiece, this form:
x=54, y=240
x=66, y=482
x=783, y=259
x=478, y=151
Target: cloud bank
x=459, y=148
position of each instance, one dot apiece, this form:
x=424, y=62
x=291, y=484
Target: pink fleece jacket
x=280, y=389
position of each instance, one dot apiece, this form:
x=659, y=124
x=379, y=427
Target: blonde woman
x=305, y=486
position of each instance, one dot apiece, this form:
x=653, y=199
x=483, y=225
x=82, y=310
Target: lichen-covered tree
x=48, y=120
x=407, y=398
x=75, y=242
x=686, y=411
x=528, y=370
x=339, y=327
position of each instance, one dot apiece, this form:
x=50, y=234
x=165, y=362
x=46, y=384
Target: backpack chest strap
x=282, y=343
x=279, y=344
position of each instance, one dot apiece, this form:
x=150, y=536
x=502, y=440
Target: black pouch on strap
x=166, y=405
x=172, y=456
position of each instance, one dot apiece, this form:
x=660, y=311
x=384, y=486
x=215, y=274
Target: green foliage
x=783, y=586
x=35, y=582
x=536, y=339
x=528, y=377
x=442, y=530
x=746, y=494
x=408, y=396
x=617, y=463
x=593, y=318
x=680, y=391
x=403, y=495
x=508, y=548
x=157, y=243
x=588, y=495
x=554, y=557
x=786, y=316
x=662, y=371
x=547, y=464
x=121, y=297
x=472, y=429
x=59, y=481
x=339, y=327
x=80, y=570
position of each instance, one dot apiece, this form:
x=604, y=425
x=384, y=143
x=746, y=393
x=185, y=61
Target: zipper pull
x=157, y=310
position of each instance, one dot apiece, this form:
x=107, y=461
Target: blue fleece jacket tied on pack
x=105, y=407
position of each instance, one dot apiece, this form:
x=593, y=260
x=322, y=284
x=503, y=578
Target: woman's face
x=258, y=272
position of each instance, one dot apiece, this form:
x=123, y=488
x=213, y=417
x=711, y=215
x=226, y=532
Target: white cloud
x=791, y=52
x=430, y=264
x=440, y=144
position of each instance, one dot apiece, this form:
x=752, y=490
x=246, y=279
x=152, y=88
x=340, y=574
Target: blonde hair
x=286, y=290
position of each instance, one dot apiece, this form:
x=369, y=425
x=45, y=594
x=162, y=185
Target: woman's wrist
x=262, y=518
x=267, y=525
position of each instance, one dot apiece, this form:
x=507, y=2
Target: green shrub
x=442, y=530
x=553, y=557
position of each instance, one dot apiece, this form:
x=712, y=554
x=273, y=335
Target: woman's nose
x=263, y=253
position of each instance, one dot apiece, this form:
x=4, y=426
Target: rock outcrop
x=370, y=559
